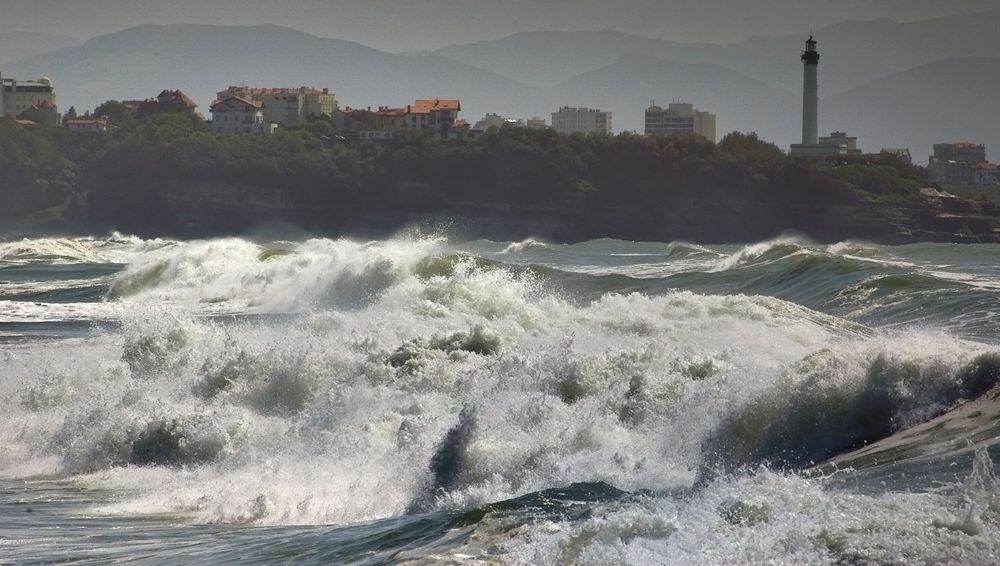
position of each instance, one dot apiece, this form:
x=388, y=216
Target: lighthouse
x=810, y=94
x=813, y=146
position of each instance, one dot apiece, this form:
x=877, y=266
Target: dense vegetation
x=167, y=173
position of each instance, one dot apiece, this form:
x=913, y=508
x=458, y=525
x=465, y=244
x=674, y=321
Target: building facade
x=955, y=163
x=677, y=118
x=19, y=96
x=987, y=175
x=438, y=115
x=86, y=124
x=536, y=123
x=847, y=145
x=42, y=113
x=235, y=115
x=569, y=120
x=286, y=106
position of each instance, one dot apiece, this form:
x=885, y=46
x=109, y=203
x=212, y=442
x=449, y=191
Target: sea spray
x=533, y=406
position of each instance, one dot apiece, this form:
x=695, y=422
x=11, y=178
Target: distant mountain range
x=853, y=53
x=890, y=83
x=200, y=60
x=950, y=100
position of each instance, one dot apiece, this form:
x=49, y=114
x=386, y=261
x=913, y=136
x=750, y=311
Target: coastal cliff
x=168, y=176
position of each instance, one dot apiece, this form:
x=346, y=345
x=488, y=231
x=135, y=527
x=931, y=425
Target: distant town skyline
x=399, y=26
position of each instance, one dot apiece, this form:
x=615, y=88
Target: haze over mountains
x=892, y=84
x=22, y=44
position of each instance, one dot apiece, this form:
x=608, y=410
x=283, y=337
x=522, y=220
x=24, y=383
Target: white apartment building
x=570, y=120
x=286, y=106
x=679, y=117
x=235, y=115
x=18, y=96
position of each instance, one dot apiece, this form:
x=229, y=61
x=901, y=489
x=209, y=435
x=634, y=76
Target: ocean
x=419, y=400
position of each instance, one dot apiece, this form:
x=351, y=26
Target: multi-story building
x=536, y=123
x=286, y=106
x=848, y=144
x=955, y=163
x=679, y=117
x=17, y=96
x=569, y=120
x=437, y=115
x=235, y=115
x=834, y=145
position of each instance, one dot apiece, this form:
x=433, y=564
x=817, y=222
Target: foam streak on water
x=519, y=402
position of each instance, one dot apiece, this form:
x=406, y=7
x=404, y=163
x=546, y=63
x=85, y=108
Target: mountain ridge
x=202, y=59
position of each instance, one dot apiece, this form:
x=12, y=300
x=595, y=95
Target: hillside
x=854, y=52
x=200, y=59
x=547, y=58
x=951, y=100
x=168, y=174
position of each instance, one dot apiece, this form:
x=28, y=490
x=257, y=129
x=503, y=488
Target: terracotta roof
x=176, y=96
x=252, y=104
x=423, y=106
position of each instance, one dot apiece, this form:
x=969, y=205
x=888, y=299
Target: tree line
x=164, y=172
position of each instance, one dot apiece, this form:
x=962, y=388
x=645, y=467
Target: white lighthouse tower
x=810, y=94
x=813, y=146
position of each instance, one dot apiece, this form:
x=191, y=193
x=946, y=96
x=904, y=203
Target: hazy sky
x=407, y=25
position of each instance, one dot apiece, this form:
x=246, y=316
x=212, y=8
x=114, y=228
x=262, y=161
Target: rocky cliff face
x=195, y=210
x=209, y=210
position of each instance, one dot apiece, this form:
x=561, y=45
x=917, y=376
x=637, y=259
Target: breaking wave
x=524, y=405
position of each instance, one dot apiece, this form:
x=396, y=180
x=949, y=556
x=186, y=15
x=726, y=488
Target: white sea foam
x=251, y=277
x=757, y=253
x=530, y=244
x=50, y=250
x=335, y=416
x=410, y=377
x=762, y=518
